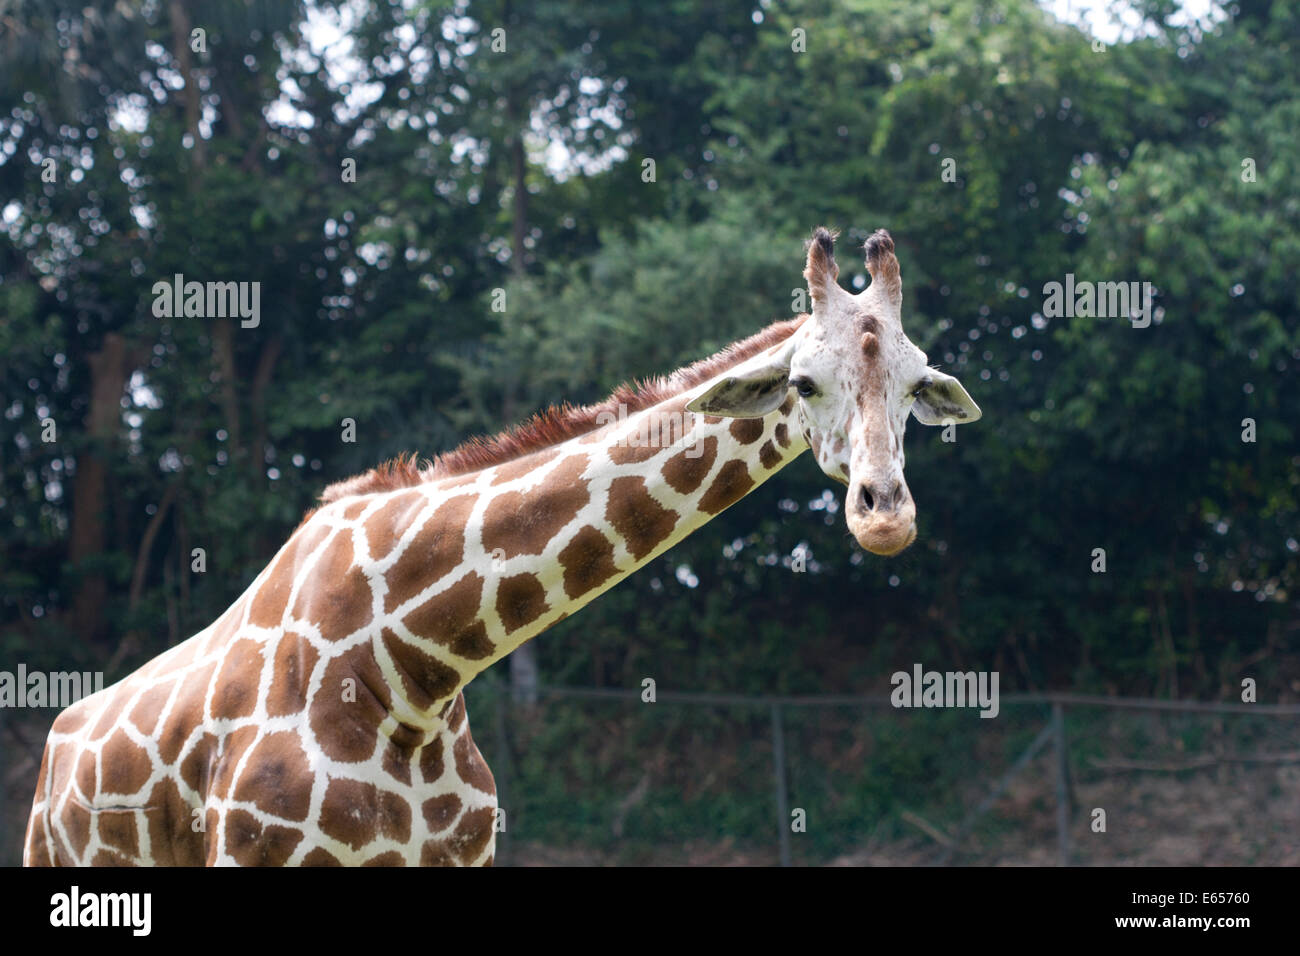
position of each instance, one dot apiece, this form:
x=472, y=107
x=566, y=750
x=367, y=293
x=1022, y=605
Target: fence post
x=1062, y=785
x=782, y=798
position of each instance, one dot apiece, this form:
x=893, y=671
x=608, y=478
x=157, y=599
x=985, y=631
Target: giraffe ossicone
x=321, y=720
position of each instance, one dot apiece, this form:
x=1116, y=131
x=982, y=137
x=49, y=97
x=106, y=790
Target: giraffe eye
x=804, y=386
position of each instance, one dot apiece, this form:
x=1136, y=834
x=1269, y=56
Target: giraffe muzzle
x=882, y=516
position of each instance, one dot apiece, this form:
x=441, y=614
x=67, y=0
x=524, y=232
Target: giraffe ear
x=944, y=402
x=750, y=394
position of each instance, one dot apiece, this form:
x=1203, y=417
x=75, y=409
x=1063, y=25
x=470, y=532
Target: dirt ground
x=1224, y=815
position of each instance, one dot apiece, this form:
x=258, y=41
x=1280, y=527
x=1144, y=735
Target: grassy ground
x=599, y=784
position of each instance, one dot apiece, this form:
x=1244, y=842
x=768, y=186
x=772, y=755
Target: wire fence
x=607, y=777
x=1076, y=740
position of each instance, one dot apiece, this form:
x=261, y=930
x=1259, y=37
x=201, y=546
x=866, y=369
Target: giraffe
x=321, y=721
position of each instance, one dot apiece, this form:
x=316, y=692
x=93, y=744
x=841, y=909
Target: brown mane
x=557, y=424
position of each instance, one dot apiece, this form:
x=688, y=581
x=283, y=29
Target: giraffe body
x=321, y=719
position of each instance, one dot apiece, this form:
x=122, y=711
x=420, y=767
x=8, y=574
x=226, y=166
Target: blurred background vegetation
x=1169, y=158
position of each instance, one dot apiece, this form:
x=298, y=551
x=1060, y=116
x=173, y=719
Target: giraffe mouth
x=890, y=543
x=884, y=534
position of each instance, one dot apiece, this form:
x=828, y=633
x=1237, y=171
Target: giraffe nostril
x=868, y=503
x=898, y=494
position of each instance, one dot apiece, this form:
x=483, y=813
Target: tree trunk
x=108, y=374
x=257, y=404
x=223, y=352
x=519, y=223
x=180, y=22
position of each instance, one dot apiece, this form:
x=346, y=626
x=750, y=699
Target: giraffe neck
x=540, y=537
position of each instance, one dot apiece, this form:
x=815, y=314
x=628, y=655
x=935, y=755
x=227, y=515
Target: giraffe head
x=857, y=376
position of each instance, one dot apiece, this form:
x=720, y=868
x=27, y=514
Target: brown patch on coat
x=171, y=827
x=521, y=599
x=782, y=435
x=110, y=858
x=236, y=692
x=450, y=618
x=320, y=857
x=353, y=511
x=768, y=456
x=473, y=834
x=397, y=762
x=453, y=714
x=149, y=707
x=628, y=454
x=291, y=669
x=746, y=430
x=588, y=561
x=470, y=765
x=117, y=830
x=348, y=729
x=526, y=522
x=86, y=774
x=431, y=762
x=346, y=813
x=732, y=484
x=277, y=777
x=384, y=528
x=187, y=711
x=437, y=548
x=252, y=844
x=196, y=768
x=440, y=812
x=125, y=765
x=336, y=598
x=634, y=514
x=355, y=812
x=76, y=822
x=268, y=605
x=425, y=679
x=686, y=473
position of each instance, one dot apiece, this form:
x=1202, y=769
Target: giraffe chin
x=886, y=535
